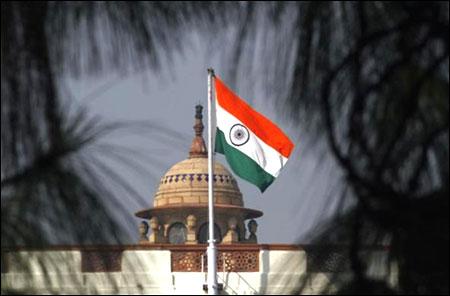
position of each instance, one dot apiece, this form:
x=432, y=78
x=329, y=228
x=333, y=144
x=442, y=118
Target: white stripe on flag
x=264, y=155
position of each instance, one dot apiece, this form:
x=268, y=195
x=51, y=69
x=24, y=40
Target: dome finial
x=198, y=147
x=198, y=111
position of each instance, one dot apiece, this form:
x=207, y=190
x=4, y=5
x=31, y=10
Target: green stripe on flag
x=242, y=165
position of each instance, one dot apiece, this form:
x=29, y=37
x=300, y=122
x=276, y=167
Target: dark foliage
x=370, y=79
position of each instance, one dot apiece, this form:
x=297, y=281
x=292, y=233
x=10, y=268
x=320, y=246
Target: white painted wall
x=149, y=272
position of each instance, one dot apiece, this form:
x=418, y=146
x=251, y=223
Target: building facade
x=180, y=206
x=170, y=257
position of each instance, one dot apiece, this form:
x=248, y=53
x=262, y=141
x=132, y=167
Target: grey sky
x=302, y=195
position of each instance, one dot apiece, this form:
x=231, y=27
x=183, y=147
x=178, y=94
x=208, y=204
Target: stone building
x=170, y=257
x=180, y=208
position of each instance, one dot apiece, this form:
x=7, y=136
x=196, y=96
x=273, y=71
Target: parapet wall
x=161, y=269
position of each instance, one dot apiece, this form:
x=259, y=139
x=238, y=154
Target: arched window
x=177, y=233
x=203, y=233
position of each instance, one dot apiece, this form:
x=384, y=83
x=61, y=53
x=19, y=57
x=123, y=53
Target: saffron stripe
x=264, y=155
x=262, y=127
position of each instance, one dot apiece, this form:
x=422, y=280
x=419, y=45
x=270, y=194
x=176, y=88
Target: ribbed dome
x=186, y=183
x=180, y=207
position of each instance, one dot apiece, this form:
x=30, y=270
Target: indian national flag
x=255, y=148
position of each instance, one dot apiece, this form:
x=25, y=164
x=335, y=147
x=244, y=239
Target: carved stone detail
x=154, y=236
x=232, y=236
x=233, y=261
x=191, y=223
x=143, y=231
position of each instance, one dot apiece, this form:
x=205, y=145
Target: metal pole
x=212, y=267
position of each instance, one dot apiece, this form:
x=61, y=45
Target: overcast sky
x=298, y=200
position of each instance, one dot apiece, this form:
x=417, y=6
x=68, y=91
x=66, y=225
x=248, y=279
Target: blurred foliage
x=370, y=79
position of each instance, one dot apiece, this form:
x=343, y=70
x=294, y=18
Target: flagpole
x=212, y=267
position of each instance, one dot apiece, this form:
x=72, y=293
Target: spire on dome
x=198, y=147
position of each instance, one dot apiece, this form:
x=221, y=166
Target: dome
x=180, y=205
x=186, y=183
